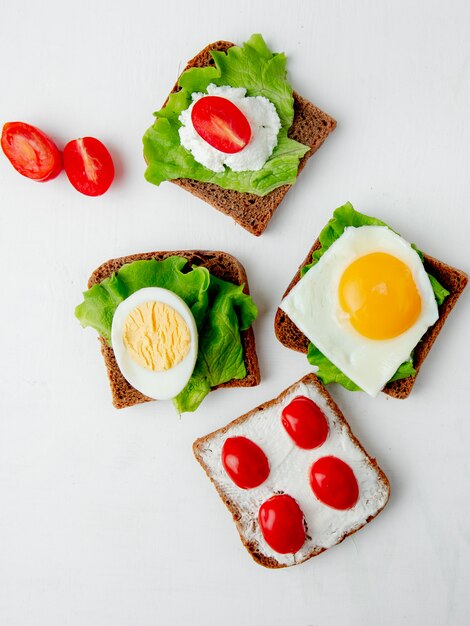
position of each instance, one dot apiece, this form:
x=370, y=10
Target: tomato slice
x=219, y=122
x=31, y=152
x=282, y=523
x=89, y=166
x=334, y=483
x=305, y=423
x=245, y=462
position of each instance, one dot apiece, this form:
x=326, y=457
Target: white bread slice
x=289, y=469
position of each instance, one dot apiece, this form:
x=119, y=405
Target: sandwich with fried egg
x=366, y=306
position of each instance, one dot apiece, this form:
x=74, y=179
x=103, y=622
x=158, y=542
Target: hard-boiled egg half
x=365, y=304
x=155, y=342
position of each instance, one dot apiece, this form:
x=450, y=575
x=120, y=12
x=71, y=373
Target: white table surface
x=105, y=517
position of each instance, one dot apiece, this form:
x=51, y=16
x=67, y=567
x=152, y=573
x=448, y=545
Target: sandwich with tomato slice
x=293, y=475
x=234, y=133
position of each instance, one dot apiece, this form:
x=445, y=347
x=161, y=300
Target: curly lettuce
x=262, y=73
x=221, y=310
x=343, y=217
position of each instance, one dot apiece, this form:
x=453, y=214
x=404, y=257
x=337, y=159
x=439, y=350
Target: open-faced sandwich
x=233, y=132
x=172, y=325
x=293, y=475
x=366, y=306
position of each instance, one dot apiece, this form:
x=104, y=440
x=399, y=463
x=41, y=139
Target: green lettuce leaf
x=329, y=373
x=440, y=292
x=220, y=356
x=261, y=73
x=221, y=310
x=406, y=369
x=343, y=217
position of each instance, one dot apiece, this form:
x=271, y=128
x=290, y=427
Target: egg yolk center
x=156, y=336
x=380, y=296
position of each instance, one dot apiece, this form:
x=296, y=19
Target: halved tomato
x=334, y=483
x=88, y=165
x=245, y=462
x=31, y=152
x=219, y=122
x=282, y=523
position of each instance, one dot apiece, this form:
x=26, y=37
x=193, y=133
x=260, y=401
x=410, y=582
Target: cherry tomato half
x=334, y=483
x=30, y=151
x=282, y=523
x=89, y=166
x=244, y=462
x=305, y=423
x=219, y=122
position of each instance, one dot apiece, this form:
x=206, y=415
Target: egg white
x=264, y=122
x=157, y=385
x=313, y=305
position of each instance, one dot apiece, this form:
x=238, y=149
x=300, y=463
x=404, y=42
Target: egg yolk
x=156, y=336
x=380, y=296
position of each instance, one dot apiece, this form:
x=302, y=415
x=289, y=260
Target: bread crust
x=220, y=264
x=311, y=126
x=260, y=558
x=452, y=279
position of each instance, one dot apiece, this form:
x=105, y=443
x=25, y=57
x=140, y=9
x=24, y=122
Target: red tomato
x=244, y=462
x=305, y=423
x=219, y=122
x=88, y=165
x=334, y=483
x=30, y=151
x=282, y=523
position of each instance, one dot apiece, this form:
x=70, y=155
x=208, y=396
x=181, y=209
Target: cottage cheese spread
x=262, y=117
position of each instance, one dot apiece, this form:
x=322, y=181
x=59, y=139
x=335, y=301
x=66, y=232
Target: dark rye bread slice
x=452, y=279
x=311, y=127
x=206, y=444
x=221, y=265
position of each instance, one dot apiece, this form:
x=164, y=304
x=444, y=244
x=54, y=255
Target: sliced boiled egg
x=155, y=342
x=365, y=304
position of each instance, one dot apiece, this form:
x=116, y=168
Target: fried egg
x=365, y=304
x=154, y=339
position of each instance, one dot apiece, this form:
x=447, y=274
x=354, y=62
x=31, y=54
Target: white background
x=105, y=517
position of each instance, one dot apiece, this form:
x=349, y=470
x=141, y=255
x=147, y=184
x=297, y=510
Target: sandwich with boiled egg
x=366, y=305
x=172, y=325
x=234, y=133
